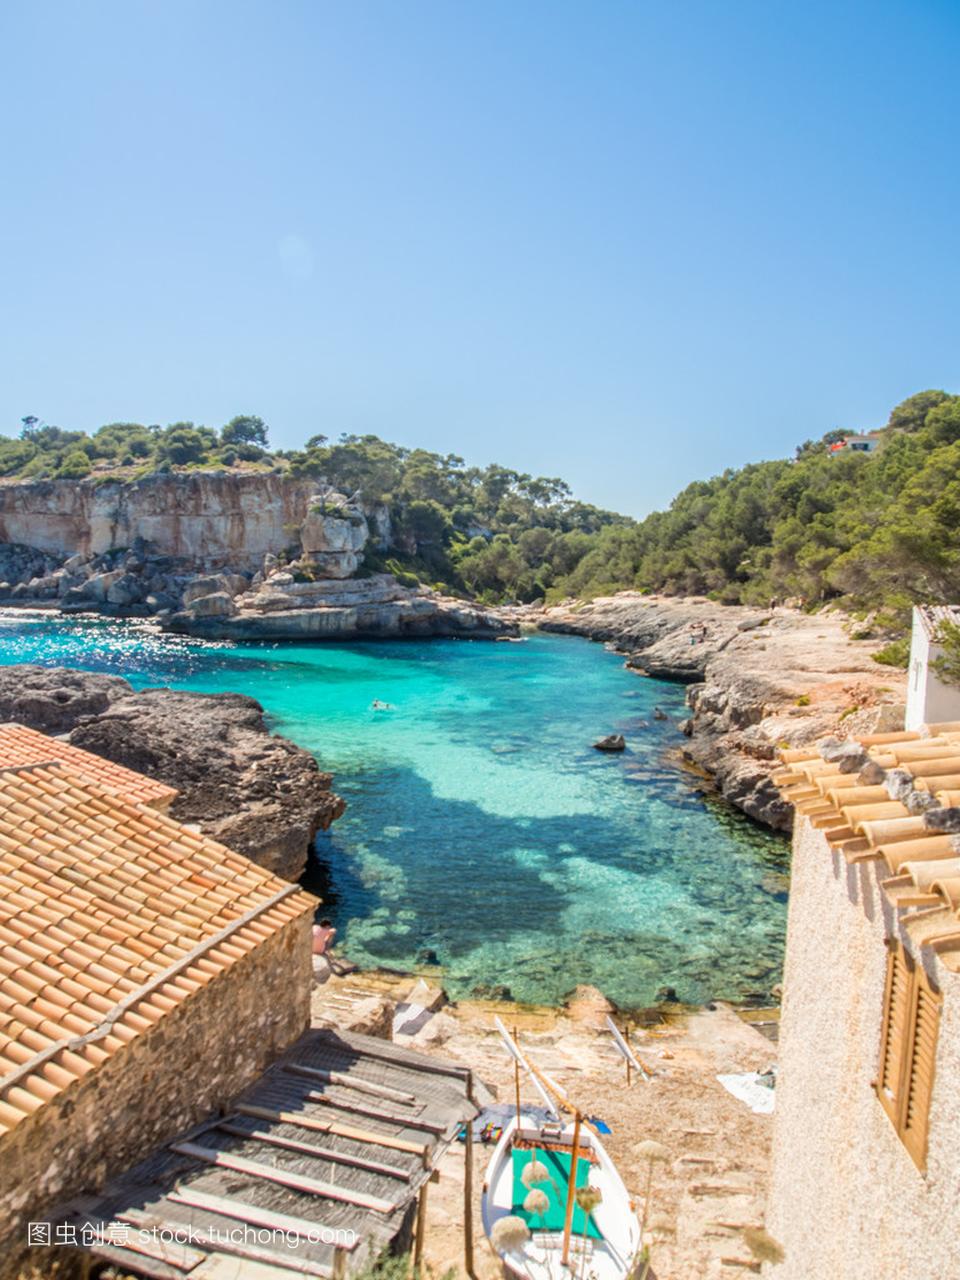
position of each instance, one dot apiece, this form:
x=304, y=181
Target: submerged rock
x=588, y=1005
x=491, y=991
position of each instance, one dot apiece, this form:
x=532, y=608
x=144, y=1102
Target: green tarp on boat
x=558, y=1166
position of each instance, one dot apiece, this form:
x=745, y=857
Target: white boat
x=611, y=1247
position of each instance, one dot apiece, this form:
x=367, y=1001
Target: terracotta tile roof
x=894, y=799
x=20, y=745
x=104, y=903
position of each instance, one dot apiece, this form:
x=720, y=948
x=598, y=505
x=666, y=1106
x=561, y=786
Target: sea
x=484, y=834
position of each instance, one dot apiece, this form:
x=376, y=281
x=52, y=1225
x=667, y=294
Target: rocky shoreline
x=758, y=680
x=253, y=790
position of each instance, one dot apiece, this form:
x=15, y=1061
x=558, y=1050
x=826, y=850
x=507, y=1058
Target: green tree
x=245, y=429
x=911, y=414
x=181, y=444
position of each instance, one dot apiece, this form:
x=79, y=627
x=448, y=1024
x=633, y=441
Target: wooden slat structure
x=294, y=1176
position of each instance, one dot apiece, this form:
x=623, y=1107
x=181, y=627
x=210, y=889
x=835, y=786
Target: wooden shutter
x=908, y=1050
x=897, y=1005
x=919, y=1066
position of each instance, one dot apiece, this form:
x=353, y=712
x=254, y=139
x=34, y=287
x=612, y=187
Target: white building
x=869, y=442
x=929, y=700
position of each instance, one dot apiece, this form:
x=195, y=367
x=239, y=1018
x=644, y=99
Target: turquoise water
x=481, y=825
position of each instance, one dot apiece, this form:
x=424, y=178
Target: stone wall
x=846, y=1200
x=212, y=518
x=194, y=1061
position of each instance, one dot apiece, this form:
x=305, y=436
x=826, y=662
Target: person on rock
x=323, y=935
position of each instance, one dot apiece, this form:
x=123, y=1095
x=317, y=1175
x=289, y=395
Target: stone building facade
x=192, y=1062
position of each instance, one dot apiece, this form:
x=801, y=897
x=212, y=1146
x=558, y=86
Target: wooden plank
x=332, y=1126
x=252, y=1252
x=224, y=1266
x=395, y=1057
x=311, y=1149
x=287, y=1178
x=375, y=1113
x=352, y=1082
x=251, y=1213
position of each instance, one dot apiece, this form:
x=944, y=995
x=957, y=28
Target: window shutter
x=919, y=1067
x=897, y=1002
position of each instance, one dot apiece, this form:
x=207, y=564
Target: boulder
x=588, y=1005
x=97, y=587
x=230, y=584
x=126, y=590
x=44, y=588
x=160, y=602
x=218, y=605
x=612, y=742
x=76, y=565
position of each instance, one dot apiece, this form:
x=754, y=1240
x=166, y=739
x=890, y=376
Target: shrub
x=75, y=466
x=895, y=654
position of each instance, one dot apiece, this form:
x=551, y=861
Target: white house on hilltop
x=866, y=443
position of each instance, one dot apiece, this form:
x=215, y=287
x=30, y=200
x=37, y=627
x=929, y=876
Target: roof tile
x=22, y=746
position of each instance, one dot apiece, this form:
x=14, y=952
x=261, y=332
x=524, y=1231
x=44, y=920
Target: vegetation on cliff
x=875, y=530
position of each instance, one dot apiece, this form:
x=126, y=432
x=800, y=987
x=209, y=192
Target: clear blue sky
x=625, y=243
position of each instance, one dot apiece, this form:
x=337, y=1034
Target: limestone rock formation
x=212, y=518
x=283, y=608
x=255, y=791
x=333, y=535
x=258, y=793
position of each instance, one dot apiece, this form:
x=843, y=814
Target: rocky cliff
x=208, y=518
x=245, y=557
x=253, y=790
x=758, y=680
